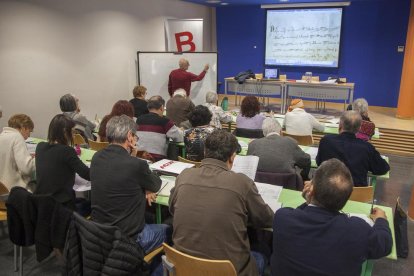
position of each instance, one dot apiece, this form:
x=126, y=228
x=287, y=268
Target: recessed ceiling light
x=284, y=0
x=213, y=1
x=224, y=4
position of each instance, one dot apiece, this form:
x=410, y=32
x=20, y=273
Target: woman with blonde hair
x=17, y=166
x=299, y=122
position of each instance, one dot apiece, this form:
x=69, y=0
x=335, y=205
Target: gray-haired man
x=119, y=185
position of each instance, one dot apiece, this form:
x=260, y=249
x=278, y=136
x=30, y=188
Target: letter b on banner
x=184, y=38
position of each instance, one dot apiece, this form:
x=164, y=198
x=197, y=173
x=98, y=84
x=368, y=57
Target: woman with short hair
x=219, y=116
x=250, y=117
x=139, y=102
x=367, y=129
x=120, y=107
x=69, y=105
x=195, y=137
x=17, y=166
x=57, y=163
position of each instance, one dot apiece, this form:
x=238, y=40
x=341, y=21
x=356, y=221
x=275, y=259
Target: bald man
x=180, y=78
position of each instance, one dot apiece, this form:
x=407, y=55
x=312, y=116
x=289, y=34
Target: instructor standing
x=180, y=78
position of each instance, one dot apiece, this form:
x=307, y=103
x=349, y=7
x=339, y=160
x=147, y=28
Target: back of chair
x=3, y=191
x=182, y=159
x=186, y=265
x=290, y=181
x=362, y=194
x=94, y=145
x=78, y=139
x=304, y=140
x=248, y=133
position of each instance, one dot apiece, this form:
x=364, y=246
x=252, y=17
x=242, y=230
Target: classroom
x=98, y=53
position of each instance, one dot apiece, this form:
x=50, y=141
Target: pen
x=162, y=188
x=372, y=205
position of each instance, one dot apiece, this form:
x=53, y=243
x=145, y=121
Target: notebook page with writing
x=170, y=166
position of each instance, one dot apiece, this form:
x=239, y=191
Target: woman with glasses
x=57, y=163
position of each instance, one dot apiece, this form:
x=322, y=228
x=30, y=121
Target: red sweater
x=180, y=78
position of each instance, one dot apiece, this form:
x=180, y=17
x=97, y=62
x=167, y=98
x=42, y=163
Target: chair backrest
x=182, y=159
x=186, y=265
x=94, y=145
x=78, y=139
x=304, y=140
x=291, y=181
x=248, y=133
x=411, y=204
x=362, y=194
x=3, y=191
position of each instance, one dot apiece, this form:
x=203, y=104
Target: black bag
x=242, y=76
x=400, y=228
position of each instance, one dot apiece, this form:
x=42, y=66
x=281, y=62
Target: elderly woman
x=219, y=116
x=250, y=117
x=69, y=105
x=195, y=137
x=367, y=129
x=119, y=108
x=17, y=166
x=139, y=102
x=57, y=163
x=299, y=122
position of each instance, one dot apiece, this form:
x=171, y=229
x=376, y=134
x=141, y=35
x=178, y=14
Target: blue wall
x=371, y=32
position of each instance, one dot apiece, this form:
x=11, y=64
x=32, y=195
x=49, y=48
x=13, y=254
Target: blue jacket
x=314, y=241
x=359, y=156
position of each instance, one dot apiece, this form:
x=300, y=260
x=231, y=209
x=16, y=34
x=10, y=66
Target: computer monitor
x=271, y=73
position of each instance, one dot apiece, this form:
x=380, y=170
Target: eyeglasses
x=135, y=135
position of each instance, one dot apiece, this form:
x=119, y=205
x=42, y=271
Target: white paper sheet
x=168, y=182
x=246, y=165
x=270, y=194
x=170, y=166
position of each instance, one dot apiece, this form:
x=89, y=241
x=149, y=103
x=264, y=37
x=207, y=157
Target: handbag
x=400, y=229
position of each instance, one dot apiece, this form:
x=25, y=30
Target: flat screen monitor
x=271, y=73
x=303, y=37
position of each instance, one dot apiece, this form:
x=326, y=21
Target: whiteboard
x=303, y=37
x=154, y=69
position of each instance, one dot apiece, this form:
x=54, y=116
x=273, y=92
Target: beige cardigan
x=17, y=166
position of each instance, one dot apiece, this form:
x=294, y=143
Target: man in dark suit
x=317, y=239
x=121, y=183
x=359, y=156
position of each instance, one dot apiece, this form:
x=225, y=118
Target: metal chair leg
x=15, y=257
x=21, y=261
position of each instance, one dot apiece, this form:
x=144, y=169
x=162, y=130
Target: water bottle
x=225, y=104
x=308, y=76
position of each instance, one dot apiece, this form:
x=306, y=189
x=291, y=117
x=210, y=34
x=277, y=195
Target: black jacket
x=98, y=249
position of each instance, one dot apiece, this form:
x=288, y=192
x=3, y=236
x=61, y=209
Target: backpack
x=242, y=76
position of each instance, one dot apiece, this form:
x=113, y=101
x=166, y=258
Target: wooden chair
x=182, y=159
x=362, y=194
x=78, y=139
x=179, y=264
x=411, y=205
x=304, y=140
x=94, y=145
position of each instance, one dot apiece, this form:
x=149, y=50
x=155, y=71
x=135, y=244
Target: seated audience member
x=212, y=206
x=154, y=130
x=139, y=102
x=195, y=137
x=367, y=129
x=121, y=107
x=359, y=156
x=57, y=163
x=119, y=185
x=219, y=116
x=250, y=117
x=317, y=239
x=179, y=107
x=276, y=153
x=69, y=105
x=17, y=166
x=299, y=122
